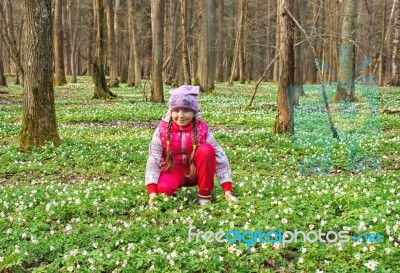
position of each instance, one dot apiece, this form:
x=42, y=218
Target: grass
x=81, y=207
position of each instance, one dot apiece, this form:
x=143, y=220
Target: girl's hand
x=230, y=197
x=151, y=198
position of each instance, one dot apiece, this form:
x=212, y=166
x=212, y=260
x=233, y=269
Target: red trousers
x=204, y=158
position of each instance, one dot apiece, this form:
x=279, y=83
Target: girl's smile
x=182, y=116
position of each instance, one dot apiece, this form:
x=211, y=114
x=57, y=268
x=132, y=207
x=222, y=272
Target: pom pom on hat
x=184, y=97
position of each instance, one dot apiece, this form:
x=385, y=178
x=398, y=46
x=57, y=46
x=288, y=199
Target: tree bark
x=59, y=75
x=135, y=66
x=112, y=49
x=101, y=90
x=345, y=88
x=39, y=117
x=284, y=111
x=277, y=64
x=157, y=26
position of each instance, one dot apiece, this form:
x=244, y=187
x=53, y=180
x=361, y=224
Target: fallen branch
x=390, y=111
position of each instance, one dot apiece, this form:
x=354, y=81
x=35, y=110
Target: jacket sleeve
x=153, y=166
x=223, y=168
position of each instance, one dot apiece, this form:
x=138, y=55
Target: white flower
x=220, y=258
x=301, y=260
x=387, y=250
x=371, y=264
x=1, y=259
x=319, y=271
x=303, y=250
x=284, y=221
x=357, y=256
x=70, y=268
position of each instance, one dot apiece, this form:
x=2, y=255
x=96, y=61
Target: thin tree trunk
x=284, y=111
x=157, y=26
x=59, y=75
x=2, y=77
x=74, y=18
x=345, y=88
x=185, y=51
x=207, y=46
x=91, y=41
x=101, y=90
x=238, y=41
x=39, y=116
x=172, y=68
x=219, y=73
x=298, y=56
x=112, y=50
x=395, y=79
x=277, y=63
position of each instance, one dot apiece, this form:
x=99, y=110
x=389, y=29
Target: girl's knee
x=205, y=149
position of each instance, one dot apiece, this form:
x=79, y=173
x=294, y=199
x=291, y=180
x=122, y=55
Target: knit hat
x=184, y=97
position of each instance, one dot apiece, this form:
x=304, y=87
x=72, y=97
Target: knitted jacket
x=181, y=147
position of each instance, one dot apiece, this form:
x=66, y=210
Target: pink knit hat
x=184, y=97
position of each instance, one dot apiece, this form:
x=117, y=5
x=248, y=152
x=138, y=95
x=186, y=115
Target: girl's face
x=182, y=116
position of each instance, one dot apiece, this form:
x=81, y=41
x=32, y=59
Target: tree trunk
x=172, y=68
x=284, y=111
x=74, y=17
x=219, y=58
x=185, y=52
x=207, y=46
x=298, y=55
x=91, y=41
x=277, y=64
x=395, y=79
x=39, y=117
x=101, y=90
x=345, y=89
x=242, y=42
x=157, y=26
x=238, y=42
x=135, y=66
x=2, y=77
x=59, y=75
x=112, y=50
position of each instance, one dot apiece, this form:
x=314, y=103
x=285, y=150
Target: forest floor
x=82, y=207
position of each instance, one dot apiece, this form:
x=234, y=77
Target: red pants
x=204, y=158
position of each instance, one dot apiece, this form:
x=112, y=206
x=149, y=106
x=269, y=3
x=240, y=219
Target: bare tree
x=345, y=88
x=284, y=111
x=207, y=46
x=101, y=90
x=39, y=117
x=157, y=26
x=59, y=75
